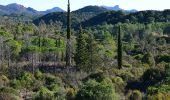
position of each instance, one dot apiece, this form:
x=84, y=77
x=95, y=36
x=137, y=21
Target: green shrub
x=38, y=75
x=8, y=96
x=3, y=80
x=93, y=90
x=26, y=79
x=158, y=96
x=71, y=93
x=153, y=75
x=16, y=84
x=44, y=94
x=135, y=95
x=51, y=79
x=148, y=58
x=126, y=64
x=163, y=58
x=119, y=84
x=9, y=90
x=138, y=57
x=152, y=90
x=37, y=85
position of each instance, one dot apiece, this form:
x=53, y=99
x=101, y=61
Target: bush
x=51, y=79
x=38, y=75
x=163, y=58
x=3, y=80
x=37, y=85
x=119, y=84
x=8, y=96
x=71, y=93
x=93, y=90
x=16, y=84
x=44, y=94
x=153, y=75
x=59, y=91
x=135, y=95
x=152, y=90
x=26, y=79
x=138, y=57
x=126, y=75
x=148, y=58
x=126, y=64
x=159, y=96
x=9, y=90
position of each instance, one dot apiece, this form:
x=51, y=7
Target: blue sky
x=76, y=4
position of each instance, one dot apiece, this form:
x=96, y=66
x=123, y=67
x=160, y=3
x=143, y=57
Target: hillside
x=114, y=17
x=94, y=15
x=78, y=16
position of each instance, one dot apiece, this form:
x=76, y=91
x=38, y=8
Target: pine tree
x=81, y=50
x=68, y=48
x=119, y=49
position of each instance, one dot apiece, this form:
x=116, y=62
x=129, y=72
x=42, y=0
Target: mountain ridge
x=19, y=9
x=117, y=8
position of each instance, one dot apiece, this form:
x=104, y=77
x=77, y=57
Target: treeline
x=89, y=17
x=114, y=17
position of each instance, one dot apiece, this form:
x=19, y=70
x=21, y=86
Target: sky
x=42, y=5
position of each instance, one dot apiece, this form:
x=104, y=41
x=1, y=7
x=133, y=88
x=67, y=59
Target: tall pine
x=68, y=47
x=81, y=50
x=119, y=49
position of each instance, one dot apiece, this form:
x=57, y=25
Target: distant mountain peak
x=117, y=7
x=15, y=8
x=15, y=5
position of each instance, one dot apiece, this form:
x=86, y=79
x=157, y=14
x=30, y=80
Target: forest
x=88, y=54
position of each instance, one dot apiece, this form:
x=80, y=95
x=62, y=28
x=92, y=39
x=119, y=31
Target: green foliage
x=44, y=94
x=81, y=57
x=51, y=79
x=126, y=64
x=115, y=17
x=152, y=90
x=93, y=90
x=153, y=75
x=134, y=95
x=43, y=42
x=15, y=47
x=119, y=84
x=26, y=79
x=16, y=84
x=8, y=96
x=3, y=80
x=159, y=96
x=71, y=93
x=9, y=90
x=59, y=91
x=119, y=48
x=5, y=34
x=138, y=57
x=149, y=59
x=167, y=70
x=38, y=75
x=163, y=58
